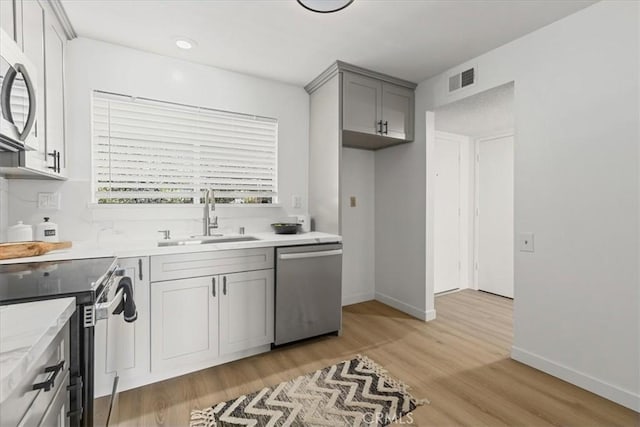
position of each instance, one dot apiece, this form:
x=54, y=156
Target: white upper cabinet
x=6, y=17
x=55, y=107
x=32, y=31
x=41, y=37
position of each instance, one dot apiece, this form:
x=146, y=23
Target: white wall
x=484, y=114
x=97, y=65
x=577, y=182
x=358, y=232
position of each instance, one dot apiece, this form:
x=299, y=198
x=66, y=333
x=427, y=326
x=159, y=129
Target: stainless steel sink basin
x=203, y=240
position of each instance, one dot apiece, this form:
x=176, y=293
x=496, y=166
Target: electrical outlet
x=525, y=242
x=49, y=201
x=296, y=202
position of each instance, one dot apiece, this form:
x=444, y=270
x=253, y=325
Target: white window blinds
x=148, y=151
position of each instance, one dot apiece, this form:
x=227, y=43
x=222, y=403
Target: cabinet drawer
x=27, y=406
x=183, y=266
x=56, y=414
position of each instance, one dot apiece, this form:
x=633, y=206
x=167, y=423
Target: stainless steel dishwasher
x=308, y=291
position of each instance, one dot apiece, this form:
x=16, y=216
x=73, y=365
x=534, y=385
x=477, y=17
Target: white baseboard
x=406, y=308
x=608, y=391
x=153, y=377
x=356, y=298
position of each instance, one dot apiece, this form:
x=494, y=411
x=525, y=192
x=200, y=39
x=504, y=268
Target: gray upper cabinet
x=397, y=111
x=376, y=110
x=375, y=107
x=361, y=104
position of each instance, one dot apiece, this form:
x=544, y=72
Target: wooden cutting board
x=27, y=249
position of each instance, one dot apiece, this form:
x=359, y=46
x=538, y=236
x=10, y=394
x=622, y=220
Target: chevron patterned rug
x=356, y=392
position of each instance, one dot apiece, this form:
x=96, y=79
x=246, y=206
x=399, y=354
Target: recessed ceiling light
x=185, y=44
x=325, y=6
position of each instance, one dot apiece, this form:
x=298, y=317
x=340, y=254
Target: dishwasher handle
x=317, y=254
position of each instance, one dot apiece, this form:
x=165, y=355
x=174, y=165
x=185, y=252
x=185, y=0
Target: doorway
x=470, y=145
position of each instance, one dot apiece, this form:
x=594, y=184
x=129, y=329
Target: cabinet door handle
x=49, y=382
x=140, y=268
x=379, y=123
x=213, y=282
x=386, y=127
x=224, y=285
x=53, y=154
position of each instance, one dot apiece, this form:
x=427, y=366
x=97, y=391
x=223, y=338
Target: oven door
x=17, y=98
x=110, y=355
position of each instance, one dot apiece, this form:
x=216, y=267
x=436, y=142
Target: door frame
x=476, y=197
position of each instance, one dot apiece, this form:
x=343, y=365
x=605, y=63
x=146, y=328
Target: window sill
x=99, y=206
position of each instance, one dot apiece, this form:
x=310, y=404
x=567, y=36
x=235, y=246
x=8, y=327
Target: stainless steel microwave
x=17, y=98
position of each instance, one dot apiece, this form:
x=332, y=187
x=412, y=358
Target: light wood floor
x=460, y=362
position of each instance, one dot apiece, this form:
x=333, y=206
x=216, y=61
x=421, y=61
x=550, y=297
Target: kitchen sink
x=203, y=240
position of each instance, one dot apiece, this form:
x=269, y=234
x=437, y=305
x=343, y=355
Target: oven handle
x=103, y=310
x=299, y=255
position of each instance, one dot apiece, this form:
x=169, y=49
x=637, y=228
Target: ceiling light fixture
x=325, y=6
x=185, y=44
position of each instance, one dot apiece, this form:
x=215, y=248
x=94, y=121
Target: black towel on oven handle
x=128, y=305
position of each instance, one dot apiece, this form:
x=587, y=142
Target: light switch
x=525, y=242
x=352, y=201
x=49, y=201
x=296, y=202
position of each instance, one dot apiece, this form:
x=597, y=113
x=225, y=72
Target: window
x=151, y=152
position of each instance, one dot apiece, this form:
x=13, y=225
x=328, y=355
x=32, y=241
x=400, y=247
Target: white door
x=184, y=319
x=495, y=216
x=246, y=310
x=446, y=214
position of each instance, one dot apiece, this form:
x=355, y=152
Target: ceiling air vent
x=463, y=79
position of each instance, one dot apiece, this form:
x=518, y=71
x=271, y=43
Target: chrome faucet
x=209, y=206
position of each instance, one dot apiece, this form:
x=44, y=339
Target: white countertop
x=136, y=248
x=25, y=332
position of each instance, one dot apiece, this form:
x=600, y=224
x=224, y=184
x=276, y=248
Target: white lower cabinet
x=196, y=320
x=246, y=310
x=184, y=322
x=122, y=348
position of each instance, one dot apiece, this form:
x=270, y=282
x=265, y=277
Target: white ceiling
x=278, y=39
x=482, y=114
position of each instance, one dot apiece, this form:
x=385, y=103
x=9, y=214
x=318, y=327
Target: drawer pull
x=77, y=413
x=49, y=382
